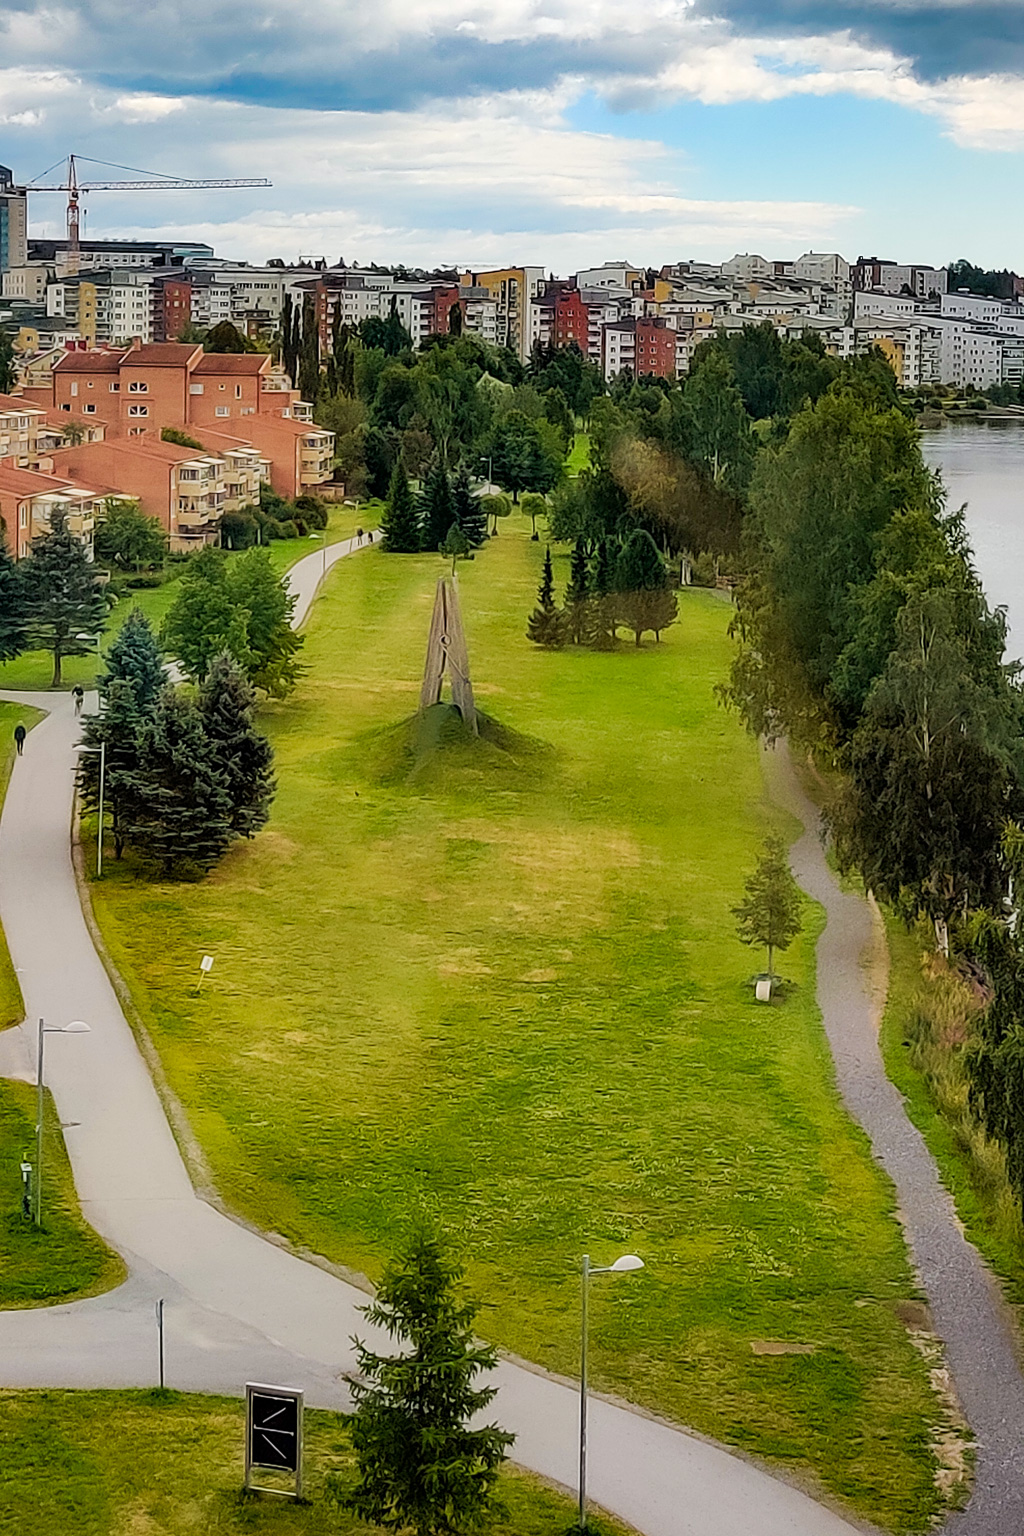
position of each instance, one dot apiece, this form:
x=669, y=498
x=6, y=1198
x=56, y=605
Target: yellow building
x=513, y=289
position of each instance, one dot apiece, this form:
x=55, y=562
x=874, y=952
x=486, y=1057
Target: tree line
x=619, y=585
x=864, y=636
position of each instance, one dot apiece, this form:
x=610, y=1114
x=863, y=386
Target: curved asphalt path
x=239, y=1308
x=964, y=1299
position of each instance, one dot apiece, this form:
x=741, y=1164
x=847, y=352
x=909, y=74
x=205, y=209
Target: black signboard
x=273, y=1431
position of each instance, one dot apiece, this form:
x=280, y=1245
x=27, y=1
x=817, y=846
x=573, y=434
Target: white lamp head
x=628, y=1261
x=76, y=1027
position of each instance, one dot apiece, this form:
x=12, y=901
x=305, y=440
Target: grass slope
x=501, y=984
x=165, y=1464
x=34, y=670
x=11, y=1006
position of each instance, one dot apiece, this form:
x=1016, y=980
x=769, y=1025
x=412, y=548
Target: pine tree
x=243, y=756
x=769, y=915
x=135, y=657
x=545, y=625
x=579, y=603
x=179, y=813
x=64, y=606
x=455, y=319
x=400, y=522
x=309, y=352
x=289, y=344
x=645, y=599
x=119, y=729
x=420, y=1463
x=603, y=603
x=437, y=508
x=469, y=514
x=13, y=618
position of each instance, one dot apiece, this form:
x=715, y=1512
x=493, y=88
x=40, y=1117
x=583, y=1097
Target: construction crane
x=152, y=181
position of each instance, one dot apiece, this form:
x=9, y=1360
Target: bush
x=239, y=530
x=314, y=511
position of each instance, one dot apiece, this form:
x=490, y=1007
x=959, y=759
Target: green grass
x=11, y=1006
x=166, y=1464
x=34, y=671
x=500, y=983
x=579, y=454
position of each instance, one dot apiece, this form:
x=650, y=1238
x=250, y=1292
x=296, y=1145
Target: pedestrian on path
x=359, y=535
x=19, y=737
x=78, y=694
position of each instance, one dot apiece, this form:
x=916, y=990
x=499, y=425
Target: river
x=982, y=464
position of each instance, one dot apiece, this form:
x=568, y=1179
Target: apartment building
x=13, y=222
x=29, y=432
x=28, y=501
x=644, y=345
x=105, y=307
x=917, y=281
x=182, y=487
x=513, y=290
x=108, y=255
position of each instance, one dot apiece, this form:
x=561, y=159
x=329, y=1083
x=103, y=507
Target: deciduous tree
x=126, y=537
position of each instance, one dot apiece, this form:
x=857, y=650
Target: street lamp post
x=101, y=750
x=76, y=1027
x=324, y=537
x=621, y=1266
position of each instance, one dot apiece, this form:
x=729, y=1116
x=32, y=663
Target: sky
x=554, y=133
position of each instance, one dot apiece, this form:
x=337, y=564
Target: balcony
x=195, y=521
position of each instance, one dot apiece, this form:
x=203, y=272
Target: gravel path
x=964, y=1299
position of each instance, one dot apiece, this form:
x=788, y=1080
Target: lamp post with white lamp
x=322, y=536
x=628, y=1261
x=76, y=1027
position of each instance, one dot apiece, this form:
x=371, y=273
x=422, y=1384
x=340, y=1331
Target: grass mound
x=436, y=750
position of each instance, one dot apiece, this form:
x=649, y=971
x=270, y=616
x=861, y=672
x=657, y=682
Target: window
x=74, y=387
x=223, y=410
x=138, y=410
x=195, y=389
x=65, y=407
x=89, y=385
x=138, y=387
x=238, y=391
x=114, y=388
x=90, y=410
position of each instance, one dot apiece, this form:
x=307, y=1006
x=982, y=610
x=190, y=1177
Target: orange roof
x=16, y=403
x=89, y=362
x=28, y=482
x=248, y=363
x=149, y=447
x=160, y=354
x=222, y=442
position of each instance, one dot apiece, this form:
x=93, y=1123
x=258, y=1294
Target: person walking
x=78, y=694
x=19, y=737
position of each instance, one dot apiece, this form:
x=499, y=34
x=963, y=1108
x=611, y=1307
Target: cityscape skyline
x=555, y=130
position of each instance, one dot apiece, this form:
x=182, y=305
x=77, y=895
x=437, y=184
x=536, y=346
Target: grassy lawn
x=10, y=715
x=499, y=983
x=34, y=670
x=579, y=454
x=166, y=1464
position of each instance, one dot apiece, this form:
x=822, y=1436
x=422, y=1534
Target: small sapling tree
x=769, y=914
x=455, y=544
x=421, y=1466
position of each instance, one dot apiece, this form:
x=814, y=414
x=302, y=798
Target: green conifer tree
x=135, y=657
x=179, y=810
x=603, y=602
x=119, y=729
x=579, y=600
x=243, y=756
x=469, y=514
x=7, y=369
x=13, y=618
x=421, y=1464
x=64, y=606
x=437, y=508
x=546, y=625
x=400, y=522
x=769, y=915
x=645, y=600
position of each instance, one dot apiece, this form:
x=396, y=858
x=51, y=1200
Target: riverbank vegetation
x=498, y=980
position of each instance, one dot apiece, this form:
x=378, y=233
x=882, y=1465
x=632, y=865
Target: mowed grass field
x=501, y=985
x=167, y=1464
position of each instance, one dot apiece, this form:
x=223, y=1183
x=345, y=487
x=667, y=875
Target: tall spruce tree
x=421, y=1464
x=603, y=608
x=135, y=658
x=13, y=619
x=546, y=626
x=437, y=507
x=243, y=756
x=179, y=813
x=64, y=606
x=579, y=603
x=645, y=601
x=309, y=352
x=400, y=522
x=289, y=341
x=469, y=514
x=119, y=730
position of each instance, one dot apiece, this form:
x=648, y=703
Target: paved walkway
x=238, y=1307
x=964, y=1299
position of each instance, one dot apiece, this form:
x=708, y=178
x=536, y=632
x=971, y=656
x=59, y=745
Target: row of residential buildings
x=93, y=431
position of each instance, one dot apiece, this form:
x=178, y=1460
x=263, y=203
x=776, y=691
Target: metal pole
x=99, y=844
x=39, y=1128
x=160, y=1337
x=583, y=1394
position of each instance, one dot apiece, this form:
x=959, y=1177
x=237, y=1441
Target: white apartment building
x=105, y=306
x=825, y=267
x=748, y=269
x=610, y=274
